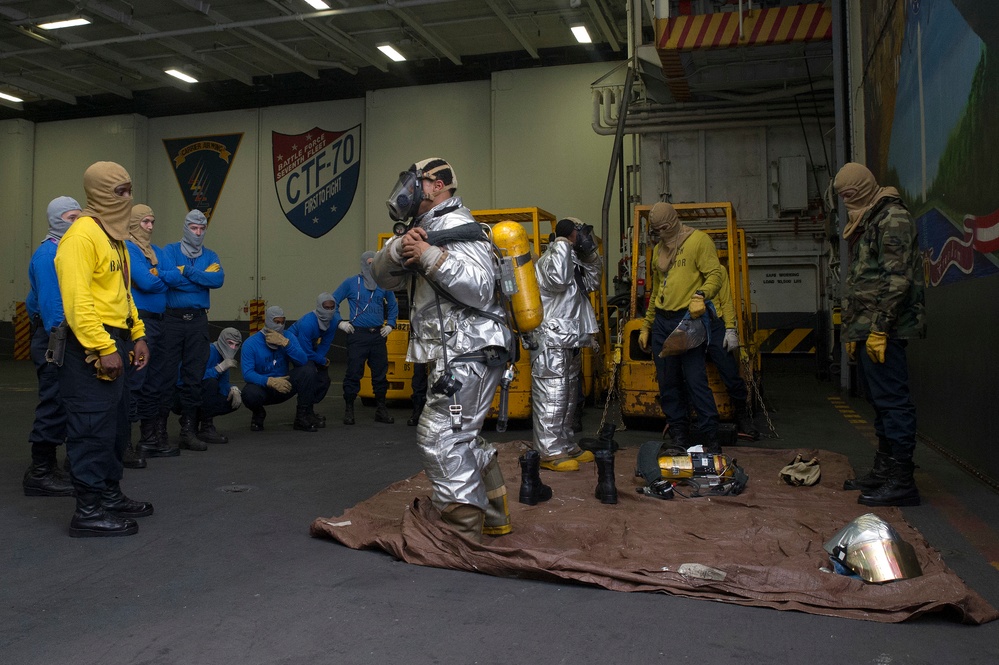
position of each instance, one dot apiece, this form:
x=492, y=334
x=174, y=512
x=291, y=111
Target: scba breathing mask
x=404, y=201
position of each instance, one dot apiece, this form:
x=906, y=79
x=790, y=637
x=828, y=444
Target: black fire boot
x=874, y=478
x=207, y=432
x=382, y=414
x=532, y=490
x=745, y=424
x=91, y=520
x=414, y=418
x=133, y=457
x=348, y=411
x=898, y=490
x=302, y=421
x=41, y=479
x=606, y=488
x=188, y=440
x=114, y=501
x=679, y=438
x=149, y=441
x=257, y=419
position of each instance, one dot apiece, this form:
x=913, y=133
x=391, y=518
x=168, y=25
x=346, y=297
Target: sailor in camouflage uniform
x=883, y=309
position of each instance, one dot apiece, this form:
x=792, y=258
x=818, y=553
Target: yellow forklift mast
x=538, y=224
x=637, y=386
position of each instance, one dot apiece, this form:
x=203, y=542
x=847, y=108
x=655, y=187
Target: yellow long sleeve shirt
x=695, y=268
x=90, y=265
x=723, y=303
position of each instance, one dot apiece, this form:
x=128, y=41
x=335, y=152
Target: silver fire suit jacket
x=466, y=271
x=569, y=321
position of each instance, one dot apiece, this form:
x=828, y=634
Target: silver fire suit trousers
x=554, y=391
x=454, y=461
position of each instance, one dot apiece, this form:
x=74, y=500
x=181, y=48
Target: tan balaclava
x=860, y=191
x=113, y=211
x=140, y=236
x=665, y=225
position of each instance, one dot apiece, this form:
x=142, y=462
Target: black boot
x=114, y=501
x=679, y=438
x=874, y=478
x=207, y=432
x=302, y=421
x=149, y=441
x=532, y=490
x=898, y=490
x=414, y=418
x=188, y=439
x=257, y=419
x=382, y=414
x=745, y=424
x=348, y=412
x=133, y=457
x=91, y=520
x=606, y=488
x=41, y=480
x=317, y=420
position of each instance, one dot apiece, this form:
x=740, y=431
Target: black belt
x=670, y=312
x=118, y=333
x=370, y=330
x=185, y=313
x=146, y=314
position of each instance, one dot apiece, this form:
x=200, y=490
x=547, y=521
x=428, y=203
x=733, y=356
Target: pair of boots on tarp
x=534, y=491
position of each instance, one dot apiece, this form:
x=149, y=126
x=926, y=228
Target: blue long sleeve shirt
x=367, y=307
x=313, y=340
x=149, y=291
x=214, y=358
x=44, y=297
x=259, y=362
x=193, y=291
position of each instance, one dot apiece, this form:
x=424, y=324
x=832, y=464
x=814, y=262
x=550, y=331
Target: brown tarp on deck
x=767, y=540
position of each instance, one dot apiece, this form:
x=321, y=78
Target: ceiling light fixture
x=10, y=98
x=582, y=36
x=391, y=53
x=68, y=23
x=181, y=75
x=317, y=4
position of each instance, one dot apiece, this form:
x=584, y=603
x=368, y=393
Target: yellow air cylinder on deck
x=511, y=238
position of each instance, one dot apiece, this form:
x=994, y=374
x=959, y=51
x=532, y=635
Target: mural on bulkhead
x=315, y=176
x=201, y=165
x=930, y=94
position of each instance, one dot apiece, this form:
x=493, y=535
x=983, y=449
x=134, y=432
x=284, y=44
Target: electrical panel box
x=792, y=184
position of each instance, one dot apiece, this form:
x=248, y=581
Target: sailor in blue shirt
x=185, y=324
x=218, y=396
x=44, y=305
x=151, y=279
x=314, y=332
x=367, y=329
x=266, y=361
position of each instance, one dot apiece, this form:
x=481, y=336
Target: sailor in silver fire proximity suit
x=568, y=270
x=457, y=327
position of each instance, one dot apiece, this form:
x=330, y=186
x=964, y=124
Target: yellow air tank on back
x=519, y=280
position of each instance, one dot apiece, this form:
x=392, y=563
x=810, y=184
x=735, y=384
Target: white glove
x=235, y=397
x=226, y=364
x=386, y=330
x=347, y=327
x=731, y=341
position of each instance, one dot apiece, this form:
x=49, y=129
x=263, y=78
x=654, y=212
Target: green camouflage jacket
x=884, y=289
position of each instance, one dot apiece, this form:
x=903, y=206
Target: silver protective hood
x=222, y=343
x=872, y=548
x=324, y=316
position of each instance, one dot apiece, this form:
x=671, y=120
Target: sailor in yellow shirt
x=686, y=275
x=92, y=266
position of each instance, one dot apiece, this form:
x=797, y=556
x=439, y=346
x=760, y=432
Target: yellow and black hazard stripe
x=786, y=340
x=257, y=308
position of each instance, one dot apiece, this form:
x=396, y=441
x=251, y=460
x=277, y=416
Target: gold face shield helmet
x=872, y=549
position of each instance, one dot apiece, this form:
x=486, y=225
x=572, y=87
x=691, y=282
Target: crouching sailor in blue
x=314, y=332
x=266, y=361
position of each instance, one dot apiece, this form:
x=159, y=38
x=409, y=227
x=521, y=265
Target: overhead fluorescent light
x=582, y=36
x=10, y=98
x=391, y=53
x=317, y=4
x=181, y=75
x=68, y=23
